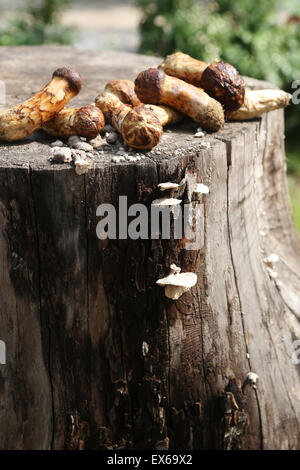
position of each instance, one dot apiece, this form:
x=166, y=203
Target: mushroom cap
x=166, y=201
x=71, y=76
x=168, y=185
x=186, y=280
x=149, y=84
x=223, y=82
x=141, y=128
x=90, y=121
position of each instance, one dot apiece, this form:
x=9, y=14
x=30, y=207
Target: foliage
x=254, y=36
x=37, y=23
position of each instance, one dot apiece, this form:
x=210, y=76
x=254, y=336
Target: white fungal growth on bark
x=201, y=188
x=174, y=269
x=252, y=379
x=273, y=274
x=168, y=185
x=166, y=201
x=271, y=260
x=177, y=283
x=194, y=189
x=145, y=348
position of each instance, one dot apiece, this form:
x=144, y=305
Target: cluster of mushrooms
x=181, y=86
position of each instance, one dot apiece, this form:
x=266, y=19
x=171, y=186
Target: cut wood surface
x=97, y=356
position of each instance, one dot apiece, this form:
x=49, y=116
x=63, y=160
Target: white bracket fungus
x=177, y=283
x=193, y=187
x=166, y=201
x=168, y=185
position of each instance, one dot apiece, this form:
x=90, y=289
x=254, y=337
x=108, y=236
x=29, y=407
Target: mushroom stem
x=124, y=90
x=140, y=128
x=165, y=114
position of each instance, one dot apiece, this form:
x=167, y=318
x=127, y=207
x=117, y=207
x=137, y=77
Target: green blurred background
x=262, y=39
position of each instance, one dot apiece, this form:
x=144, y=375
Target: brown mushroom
x=258, y=102
x=155, y=87
x=87, y=121
x=22, y=120
x=219, y=79
x=124, y=89
x=140, y=128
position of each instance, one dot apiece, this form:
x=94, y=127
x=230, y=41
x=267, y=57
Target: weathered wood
x=75, y=311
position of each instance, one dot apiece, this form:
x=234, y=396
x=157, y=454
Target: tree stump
x=96, y=356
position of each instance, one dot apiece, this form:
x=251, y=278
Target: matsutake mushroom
x=219, y=79
x=258, y=102
x=153, y=86
x=87, y=121
x=22, y=120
